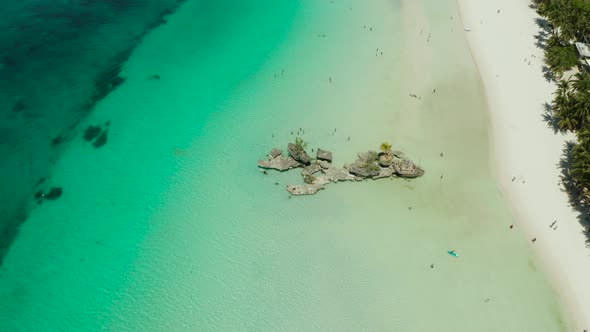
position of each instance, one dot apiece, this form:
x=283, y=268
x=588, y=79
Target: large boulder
x=364, y=170
x=385, y=159
x=280, y=163
x=298, y=153
x=324, y=155
x=407, y=169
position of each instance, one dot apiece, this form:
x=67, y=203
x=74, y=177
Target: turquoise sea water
x=170, y=226
x=57, y=60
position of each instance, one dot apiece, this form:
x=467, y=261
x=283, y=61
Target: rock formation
x=297, y=152
x=318, y=174
x=279, y=162
x=305, y=189
x=407, y=169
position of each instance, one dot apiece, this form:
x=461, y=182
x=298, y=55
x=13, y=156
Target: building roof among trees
x=583, y=49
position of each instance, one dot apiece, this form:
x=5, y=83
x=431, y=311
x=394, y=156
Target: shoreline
x=524, y=147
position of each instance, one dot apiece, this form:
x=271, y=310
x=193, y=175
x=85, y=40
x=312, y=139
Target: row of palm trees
x=571, y=102
x=569, y=20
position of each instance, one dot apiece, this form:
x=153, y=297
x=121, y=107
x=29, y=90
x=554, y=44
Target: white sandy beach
x=503, y=44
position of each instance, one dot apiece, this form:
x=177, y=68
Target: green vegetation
x=309, y=179
x=372, y=157
x=385, y=147
x=571, y=104
x=300, y=143
x=561, y=58
x=372, y=167
x=569, y=21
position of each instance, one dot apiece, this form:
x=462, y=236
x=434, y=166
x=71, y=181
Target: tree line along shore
x=568, y=29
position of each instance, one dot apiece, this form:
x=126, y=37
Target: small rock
x=307, y=189
x=275, y=152
x=324, y=155
x=407, y=169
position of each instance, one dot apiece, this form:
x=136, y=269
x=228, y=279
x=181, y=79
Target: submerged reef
x=52, y=194
x=91, y=133
x=96, y=134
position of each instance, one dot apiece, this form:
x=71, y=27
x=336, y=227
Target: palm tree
x=580, y=162
x=581, y=82
x=300, y=143
x=567, y=120
x=385, y=147
x=581, y=98
x=561, y=106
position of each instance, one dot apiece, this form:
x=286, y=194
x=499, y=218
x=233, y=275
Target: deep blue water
x=57, y=59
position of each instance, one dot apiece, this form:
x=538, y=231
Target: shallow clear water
x=170, y=226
